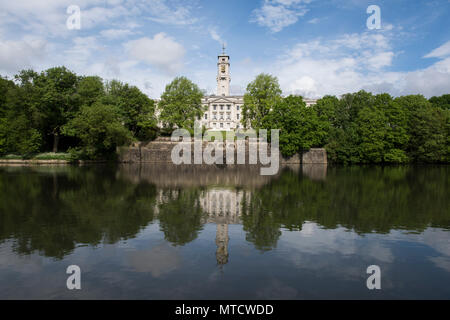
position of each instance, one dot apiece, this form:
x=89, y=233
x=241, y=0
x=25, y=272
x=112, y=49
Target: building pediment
x=221, y=100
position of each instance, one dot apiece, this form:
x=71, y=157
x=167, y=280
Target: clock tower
x=223, y=74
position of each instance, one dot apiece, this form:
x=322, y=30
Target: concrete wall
x=159, y=151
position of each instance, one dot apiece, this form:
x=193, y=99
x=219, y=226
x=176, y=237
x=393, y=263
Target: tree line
x=355, y=128
x=58, y=110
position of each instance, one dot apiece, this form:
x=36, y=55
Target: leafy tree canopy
x=262, y=95
x=180, y=104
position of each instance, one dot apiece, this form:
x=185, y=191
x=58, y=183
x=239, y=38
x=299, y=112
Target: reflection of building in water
x=222, y=207
x=222, y=244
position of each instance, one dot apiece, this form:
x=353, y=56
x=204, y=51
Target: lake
x=165, y=232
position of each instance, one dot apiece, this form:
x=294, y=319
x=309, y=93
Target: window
x=221, y=107
x=237, y=107
x=214, y=106
x=228, y=107
x=221, y=125
x=206, y=116
x=237, y=116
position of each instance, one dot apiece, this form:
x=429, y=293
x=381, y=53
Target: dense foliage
x=56, y=109
x=366, y=128
x=262, y=94
x=180, y=104
x=299, y=125
x=355, y=128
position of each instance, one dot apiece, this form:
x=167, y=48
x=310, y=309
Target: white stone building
x=224, y=111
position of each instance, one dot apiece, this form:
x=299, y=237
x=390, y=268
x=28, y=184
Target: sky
x=314, y=47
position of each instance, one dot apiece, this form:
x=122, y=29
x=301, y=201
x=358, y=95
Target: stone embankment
x=160, y=150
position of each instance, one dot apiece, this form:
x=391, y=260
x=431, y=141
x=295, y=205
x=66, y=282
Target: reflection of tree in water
x=364, y=199
x=222, y=239
x=50, y=210
x=262, y=230
x=179, y=214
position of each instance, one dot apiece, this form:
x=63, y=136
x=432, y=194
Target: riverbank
x=49, y=158
x=160, y=151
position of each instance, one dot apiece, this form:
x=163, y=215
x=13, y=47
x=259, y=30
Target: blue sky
x=314, y=47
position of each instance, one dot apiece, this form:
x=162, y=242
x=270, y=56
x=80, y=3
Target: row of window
x=221, y=125
x=222, y=106
x=215, y=118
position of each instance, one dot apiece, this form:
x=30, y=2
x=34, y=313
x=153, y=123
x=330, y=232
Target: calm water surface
x=163, y=232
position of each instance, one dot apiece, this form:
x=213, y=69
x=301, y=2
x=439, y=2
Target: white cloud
x=168, y=12
x=278, y=14
x=158, y=261
x=431, y=81
x=82, y=50
x=95, y=16
x=380, y=60
x=353, y=62
x=20, y=54
x=161, y=51
x=116, y=33
x=215, y=36
x=49, y=17
x=441, y=52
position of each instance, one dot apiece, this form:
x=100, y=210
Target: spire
x=223, y=48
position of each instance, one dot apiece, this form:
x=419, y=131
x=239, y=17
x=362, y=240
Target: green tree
x=57, y=102
x=261, y=96
x=90, y=89
x=396, y=136
x=137, y=110
x=180, y=104
x=299, y=125
x=371, y=133
x=5, y=87
x=426, y=129
x=428, y=135
x=99, y=129
x=442, y=102
x=19, y=116
x=343, y=145
x=326, y=112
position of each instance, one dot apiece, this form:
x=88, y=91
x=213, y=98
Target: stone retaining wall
x=159, y=151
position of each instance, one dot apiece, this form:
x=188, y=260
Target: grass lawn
x=210, y=133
